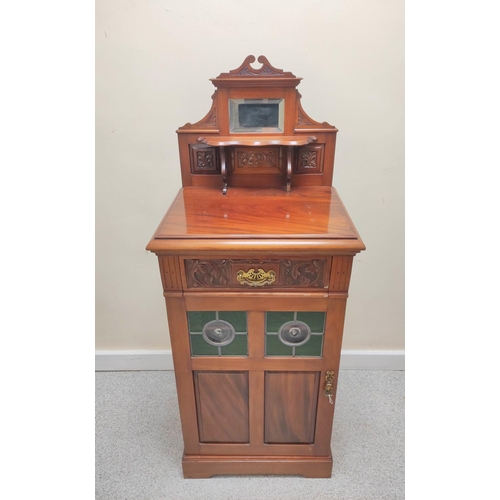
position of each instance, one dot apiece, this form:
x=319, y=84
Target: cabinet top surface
x=304, y=213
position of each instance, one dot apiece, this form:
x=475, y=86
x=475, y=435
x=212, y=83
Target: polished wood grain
x=271, y=301
x=260, y=140
x=248, y=364
x=222, y=406
x=284, y=295
x=263, y=449
x=311, y=213
x=253, y=247
x=290, y=407
x=199, y=467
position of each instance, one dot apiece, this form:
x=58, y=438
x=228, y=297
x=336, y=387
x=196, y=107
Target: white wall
x=153, y=62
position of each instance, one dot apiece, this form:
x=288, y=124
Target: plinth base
x=205, y=466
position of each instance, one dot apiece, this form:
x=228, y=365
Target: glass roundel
x=218, y=332
x=294, y=333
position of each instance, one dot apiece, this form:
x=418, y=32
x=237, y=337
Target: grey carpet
x=139, y=444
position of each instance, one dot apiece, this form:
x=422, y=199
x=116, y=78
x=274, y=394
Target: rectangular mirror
x=256, y=116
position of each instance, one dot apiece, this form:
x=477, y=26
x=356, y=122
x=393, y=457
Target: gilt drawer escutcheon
x=225, y=273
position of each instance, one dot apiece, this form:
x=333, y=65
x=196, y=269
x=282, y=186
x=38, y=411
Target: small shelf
x=267, y=140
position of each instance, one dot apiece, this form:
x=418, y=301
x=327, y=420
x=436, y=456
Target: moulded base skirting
x=162, y=360
x=200, y=466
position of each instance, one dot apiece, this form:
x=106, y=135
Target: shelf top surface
x=257, y=140
x=244, y=213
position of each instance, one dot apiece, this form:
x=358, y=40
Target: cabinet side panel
x=170, y=272
x=290, y=406
x=341, y=273
x=222, y=406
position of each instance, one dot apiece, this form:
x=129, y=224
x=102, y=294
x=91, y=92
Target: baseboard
x=357, y=359
x=133, y=360
x=162, y=360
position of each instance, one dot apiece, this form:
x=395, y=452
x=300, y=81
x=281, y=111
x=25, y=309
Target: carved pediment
x=266, y=70
x=266, y=73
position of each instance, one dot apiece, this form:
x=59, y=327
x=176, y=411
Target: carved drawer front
x=255, y=274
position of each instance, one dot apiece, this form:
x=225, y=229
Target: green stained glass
x=313, y=347
x=237, y=318
x=315, y=320
x=274, y=320
x=198, y=319
x=199, y=347
x=274, y=347
x=238, y=347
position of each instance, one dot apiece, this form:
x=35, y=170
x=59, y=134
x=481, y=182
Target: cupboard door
x=222, y=406
x=258, y=368
x=290, y=406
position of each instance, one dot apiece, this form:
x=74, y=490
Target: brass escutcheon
x=328, y=383
x=256, y=278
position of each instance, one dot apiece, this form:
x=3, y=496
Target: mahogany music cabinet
x=255, y=259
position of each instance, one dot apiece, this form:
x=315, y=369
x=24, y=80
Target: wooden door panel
x=222, y=406
x=290, y=407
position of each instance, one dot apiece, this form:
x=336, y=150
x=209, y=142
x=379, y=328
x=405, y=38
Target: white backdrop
x=153, y=62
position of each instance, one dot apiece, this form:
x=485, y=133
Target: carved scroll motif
x=303, y=120
x=203, y=273
x=267, y=69
x=210, y=120
x=281, y=273
x=304, y=273
x=266, y=158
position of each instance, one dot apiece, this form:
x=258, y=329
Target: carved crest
x=266, y=70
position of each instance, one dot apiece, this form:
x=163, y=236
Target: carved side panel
x=204, y=159
x=223, y=273
x=248, y=160
x=309, y=159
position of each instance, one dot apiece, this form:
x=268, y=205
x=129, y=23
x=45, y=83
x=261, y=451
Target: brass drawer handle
x=328, y=390
x=256, y=278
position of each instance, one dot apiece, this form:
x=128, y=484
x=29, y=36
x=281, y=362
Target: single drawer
x=256, y=274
